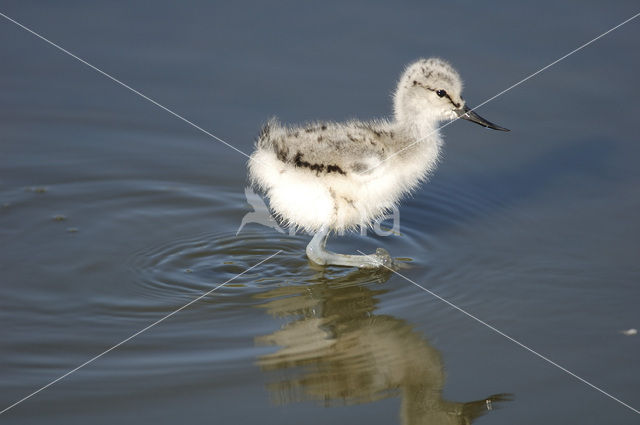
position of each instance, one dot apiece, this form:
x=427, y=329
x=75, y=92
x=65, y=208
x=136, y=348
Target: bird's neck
x=422, y=127
x=417, y=121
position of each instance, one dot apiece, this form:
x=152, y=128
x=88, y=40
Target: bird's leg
x=317, y=252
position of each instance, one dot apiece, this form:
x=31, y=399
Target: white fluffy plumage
x=343, y=175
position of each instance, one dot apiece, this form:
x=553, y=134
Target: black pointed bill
x=467, y=114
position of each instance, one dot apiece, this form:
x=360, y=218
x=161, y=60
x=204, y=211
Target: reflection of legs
x=317, y=252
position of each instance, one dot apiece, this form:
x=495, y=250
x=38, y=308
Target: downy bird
x=328, y=177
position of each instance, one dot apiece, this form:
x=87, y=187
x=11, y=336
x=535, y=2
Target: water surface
x=114, y=213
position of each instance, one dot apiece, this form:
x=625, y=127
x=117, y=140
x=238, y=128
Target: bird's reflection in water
x=336, y=350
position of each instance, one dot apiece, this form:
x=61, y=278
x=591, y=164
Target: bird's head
x=430, y=89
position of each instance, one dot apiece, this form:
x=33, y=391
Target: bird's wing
x=331, y=148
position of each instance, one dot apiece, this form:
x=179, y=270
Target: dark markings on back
x=353, y=139
x=335, y=168
x=282, y=152
x=318, y=168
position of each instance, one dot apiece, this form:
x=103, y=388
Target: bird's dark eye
x=441, y=93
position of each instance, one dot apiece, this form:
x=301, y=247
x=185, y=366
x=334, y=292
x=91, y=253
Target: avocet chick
x=325, y=176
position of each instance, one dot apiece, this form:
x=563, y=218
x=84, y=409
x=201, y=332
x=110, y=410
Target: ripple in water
x=184, y=268
x=196, y=263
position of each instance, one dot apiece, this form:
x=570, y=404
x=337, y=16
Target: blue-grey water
x=114, y=213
